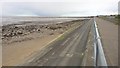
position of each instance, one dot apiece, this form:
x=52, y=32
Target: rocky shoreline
x=16, y=31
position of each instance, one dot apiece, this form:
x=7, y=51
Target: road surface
x=109, y=37
x=69, y=51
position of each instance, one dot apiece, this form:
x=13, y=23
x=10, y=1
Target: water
x=35, y=20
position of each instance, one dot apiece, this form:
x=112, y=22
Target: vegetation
x=118, y=19
x=112, y=18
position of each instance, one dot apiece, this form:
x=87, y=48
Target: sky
x=58, y=7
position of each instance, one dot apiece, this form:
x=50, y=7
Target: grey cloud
x=57, y=8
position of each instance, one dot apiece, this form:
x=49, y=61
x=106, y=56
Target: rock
x=51, y=33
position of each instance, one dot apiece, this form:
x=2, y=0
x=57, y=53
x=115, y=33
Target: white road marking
x=65, y=41
x=43, y=62
x=68, y=47
x=53, y=53
x=69, y=55
x=75, y=34
x=39, y=61
x=52, y=41
x=89, y=40
x=31, y=60
x=92, y=57
x=50, y=48
x=82, y=54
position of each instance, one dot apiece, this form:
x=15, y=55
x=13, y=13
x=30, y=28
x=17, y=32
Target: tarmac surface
x=109, y=35
x=69, y=50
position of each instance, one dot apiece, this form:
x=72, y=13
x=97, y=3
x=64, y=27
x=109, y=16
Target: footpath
x=109, y=36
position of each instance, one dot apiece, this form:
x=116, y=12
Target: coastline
x=20, y=42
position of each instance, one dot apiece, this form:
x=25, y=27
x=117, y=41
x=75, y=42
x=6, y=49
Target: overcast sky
x=58, y=7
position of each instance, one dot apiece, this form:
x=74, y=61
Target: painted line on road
x=30, y=60
x=89, y=41
x=66, y=41
x=68, y=47
x=69, y=55
x=82, y=54
x=53, y=53
x=51, y=48
x=76, y=36
x=44, y=61
x=60, y=36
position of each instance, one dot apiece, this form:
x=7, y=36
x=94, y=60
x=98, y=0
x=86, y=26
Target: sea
x=34, y=20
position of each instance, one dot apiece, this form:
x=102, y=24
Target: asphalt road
x=69, y=51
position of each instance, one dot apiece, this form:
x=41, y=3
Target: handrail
x=99, y=56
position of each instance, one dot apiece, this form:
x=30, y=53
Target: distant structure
x=119, y=7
